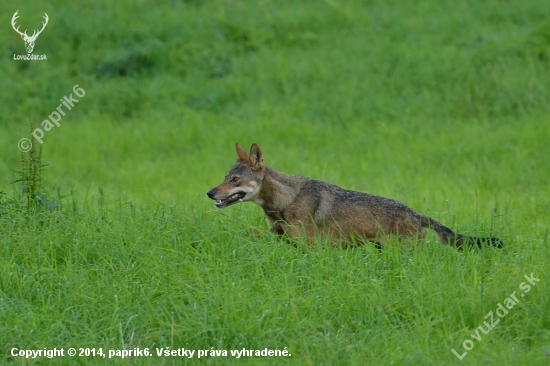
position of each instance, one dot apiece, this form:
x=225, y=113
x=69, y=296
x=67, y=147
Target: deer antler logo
x=29, y=41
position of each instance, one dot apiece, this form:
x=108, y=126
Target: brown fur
x=296, y=206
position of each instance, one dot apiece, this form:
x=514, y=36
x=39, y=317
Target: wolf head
x=243, y=182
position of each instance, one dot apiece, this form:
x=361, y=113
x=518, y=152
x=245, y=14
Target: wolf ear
x=256, y=157
x=242, y=155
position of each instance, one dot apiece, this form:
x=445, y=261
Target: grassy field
x=441, y=105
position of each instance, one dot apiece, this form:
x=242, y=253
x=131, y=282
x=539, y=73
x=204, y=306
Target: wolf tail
x=447, y=236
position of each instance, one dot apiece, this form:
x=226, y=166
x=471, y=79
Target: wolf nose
x=211, y=193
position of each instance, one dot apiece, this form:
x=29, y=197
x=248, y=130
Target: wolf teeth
x=233, y=196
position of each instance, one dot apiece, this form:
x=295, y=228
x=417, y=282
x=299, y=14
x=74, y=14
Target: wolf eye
x=235, y=179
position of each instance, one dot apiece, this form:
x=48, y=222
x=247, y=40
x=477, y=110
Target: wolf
x=296, y=206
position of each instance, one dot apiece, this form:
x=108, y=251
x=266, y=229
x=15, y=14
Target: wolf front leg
x=299, y=230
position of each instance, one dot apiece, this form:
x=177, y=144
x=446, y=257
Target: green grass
x=178, y=277
x=441, y=105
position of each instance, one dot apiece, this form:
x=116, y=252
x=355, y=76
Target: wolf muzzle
x=226, y=200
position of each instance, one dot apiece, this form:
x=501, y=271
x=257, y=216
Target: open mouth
x=234, y=198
